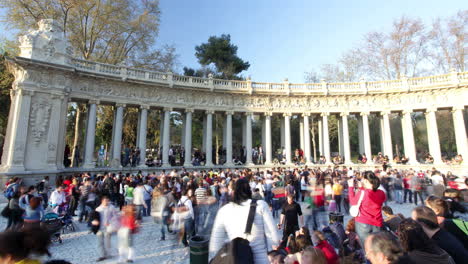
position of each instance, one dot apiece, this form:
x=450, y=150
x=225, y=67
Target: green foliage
x=223, y=55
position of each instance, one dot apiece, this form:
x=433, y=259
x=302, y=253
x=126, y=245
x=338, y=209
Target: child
x=127, y=229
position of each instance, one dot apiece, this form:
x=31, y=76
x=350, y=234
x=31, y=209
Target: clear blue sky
x=285, y=38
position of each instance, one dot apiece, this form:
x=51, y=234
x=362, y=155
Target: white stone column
x=117, y=139
x=408, y=137
x=204, y=133
x=188, y=138
x=17, y=131
x=248, y=133
x=166, y=137
x=460, y=132
x=142, y=132
x=268, y=146
x=340, y=137
x=361, y=135
x=161, y=130
x=433, y=135
x=182, y=131
x=382, y=135
x=306, y=131
x=263, y=120
x=287, y=137
x=282, y=135
x=345, y=142
x=209, y=140
x=326, y=138
x=366, y=136
x=387, y=135
x=229, y=138
x=244, y=132
x=301, y=134
x=90, y=135
x=320, y=136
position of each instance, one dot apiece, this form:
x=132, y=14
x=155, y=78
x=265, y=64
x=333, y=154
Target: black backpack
x=238, y=250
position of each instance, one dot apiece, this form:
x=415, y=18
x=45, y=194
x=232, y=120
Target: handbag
x=6, y=212
x=354, y=210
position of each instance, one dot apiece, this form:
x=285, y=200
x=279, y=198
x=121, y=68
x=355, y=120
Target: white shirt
x=139, y=195
x=57, y=198
x=185, y=201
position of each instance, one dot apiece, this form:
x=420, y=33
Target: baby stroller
x=53, y=225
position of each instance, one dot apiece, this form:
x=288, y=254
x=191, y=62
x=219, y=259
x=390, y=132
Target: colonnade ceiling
x=82, y=86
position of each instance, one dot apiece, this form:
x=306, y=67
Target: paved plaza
x=80, y=247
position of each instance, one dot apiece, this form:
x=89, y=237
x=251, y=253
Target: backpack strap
x=250, y=218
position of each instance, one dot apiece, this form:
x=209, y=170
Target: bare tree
x=449, y=44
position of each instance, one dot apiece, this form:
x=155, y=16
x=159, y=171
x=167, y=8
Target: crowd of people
x=307, y=205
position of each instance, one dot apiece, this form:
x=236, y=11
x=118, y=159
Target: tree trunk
x=80, y=109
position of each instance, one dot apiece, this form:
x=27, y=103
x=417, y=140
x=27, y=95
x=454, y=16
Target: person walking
x=104, y=220
x=139, y=201
x=369, y=219
x=231, y=221
x=291, y=218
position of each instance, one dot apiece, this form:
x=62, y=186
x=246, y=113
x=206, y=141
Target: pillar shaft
x=346, y=146
x=460, y=133
x=188, y=138
x=301, y=134
x=166, y=136
x=90, y=136
x=117, y=143
x=248, y=133
x=326, y=138
x=307, y=151
x=209, y=140
x=361, y=135
x=287, y=137
x=433, y=135
x=387, y=135
x=142, y=131
x=320, y=136
x=366, y=136
x=408, y=137
x=268, y=146
x=228, y=139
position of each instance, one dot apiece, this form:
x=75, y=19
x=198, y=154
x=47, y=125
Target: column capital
x=431, y=109
x=268, y=113
x=120, y=105
x=287, y=114
x=344, y=114
x=229, y=112
x=385, y=112
x=364, y=113
x=305, y=114
x=189, y=110
x=25, y=92
x=407, y=111
x=167, y=109
x=248, y=113
x=325, y=114
x=147, y=107
x=209, y=112
x=93, y=101
x=458, y=107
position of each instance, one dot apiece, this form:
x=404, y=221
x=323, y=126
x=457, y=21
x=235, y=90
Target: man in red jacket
x=370, y=218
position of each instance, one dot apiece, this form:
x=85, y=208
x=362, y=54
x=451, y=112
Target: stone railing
x=167, y=78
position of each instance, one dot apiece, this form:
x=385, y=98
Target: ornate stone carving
x=39, y=119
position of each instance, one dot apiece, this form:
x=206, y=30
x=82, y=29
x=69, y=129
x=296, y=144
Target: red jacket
x=329, y=251
x=371, y=206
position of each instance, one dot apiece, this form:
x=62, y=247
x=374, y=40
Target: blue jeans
x=139, y=211
x=148, y=208
x=319, y=217
x=364, y=230
x=398, y=194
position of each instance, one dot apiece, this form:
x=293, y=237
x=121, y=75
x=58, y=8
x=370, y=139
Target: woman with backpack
x=231, y=222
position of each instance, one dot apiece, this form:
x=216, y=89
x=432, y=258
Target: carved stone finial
x=47, y=43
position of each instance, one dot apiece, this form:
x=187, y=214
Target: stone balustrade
x=402, y=85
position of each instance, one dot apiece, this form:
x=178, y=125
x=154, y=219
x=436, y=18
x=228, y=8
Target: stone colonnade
x=305, y=141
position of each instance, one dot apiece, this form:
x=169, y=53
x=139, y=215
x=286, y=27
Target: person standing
x=139, y=200
x=104, y=221
x=147, y=195
x=84, y=190
x=369, y=219
x=291, y=217
x=407, y=186
x=337, y=193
